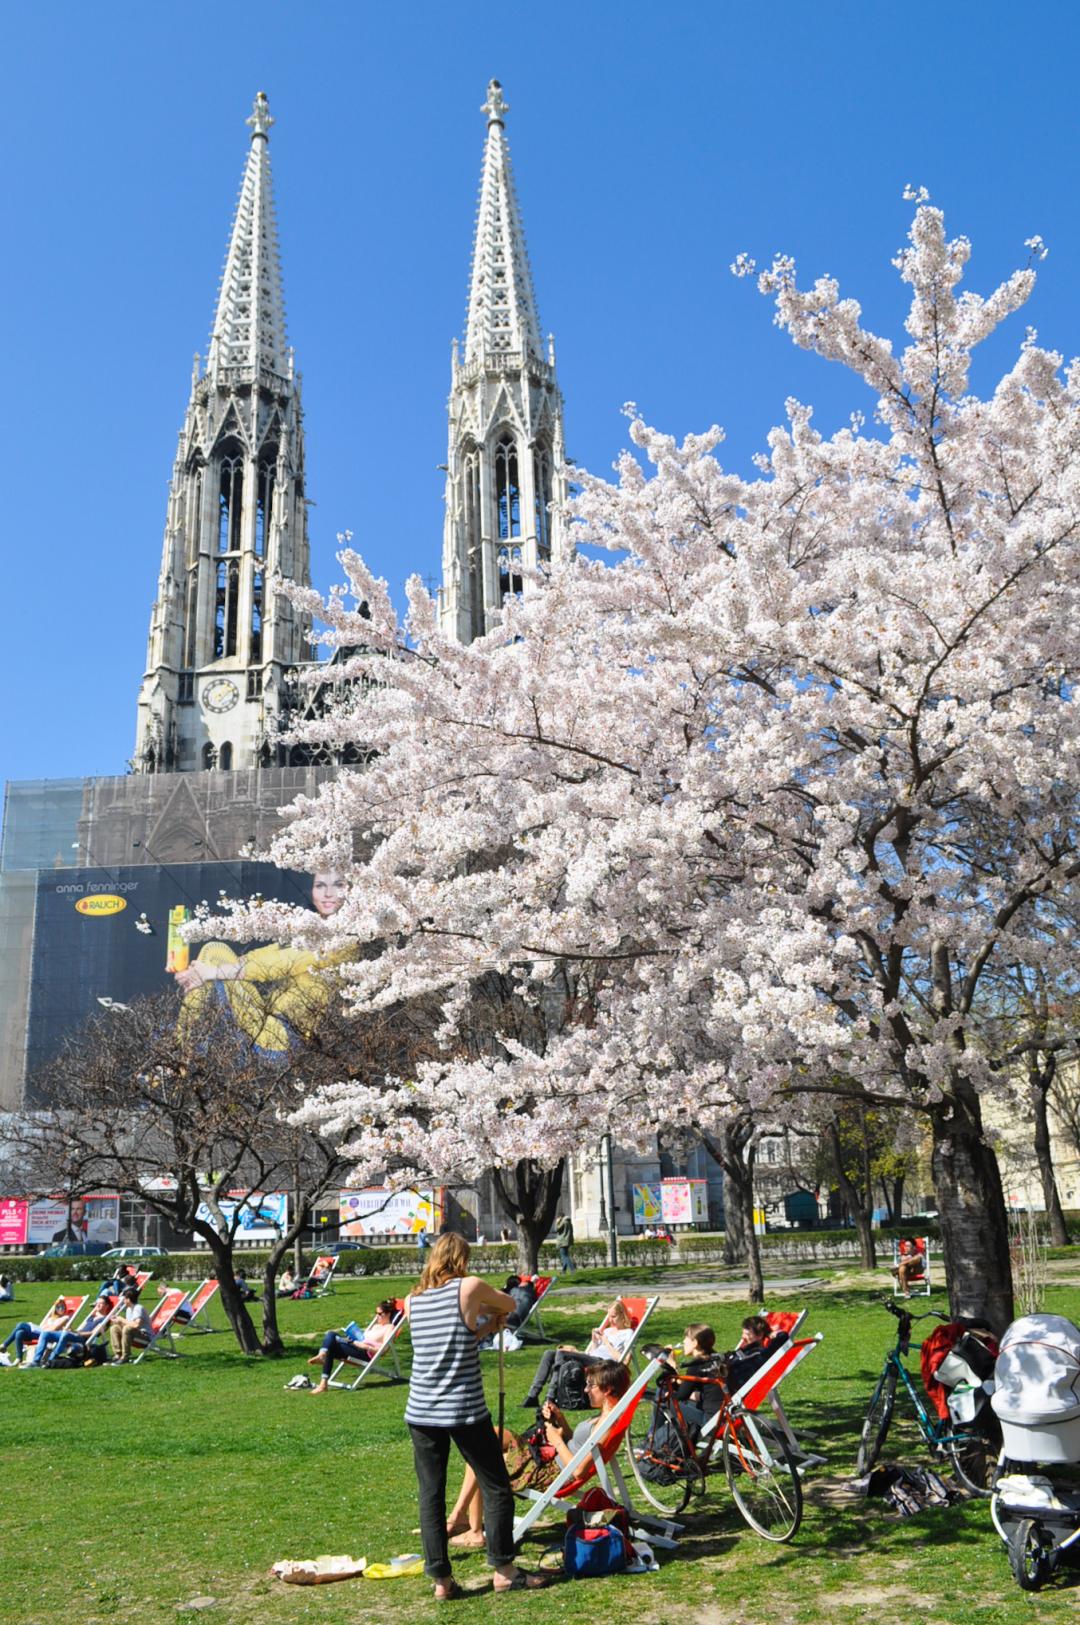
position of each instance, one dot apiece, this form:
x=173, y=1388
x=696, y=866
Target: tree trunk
x=734, y=1233
x=733, y=1149
x=1039, y=1080
x=855, y=1201
x=971, y=1210
x=529, y=1195
x=231, y=1301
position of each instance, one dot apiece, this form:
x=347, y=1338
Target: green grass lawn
x=129, y=1492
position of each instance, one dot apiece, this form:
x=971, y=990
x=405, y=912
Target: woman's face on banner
x=328, y=892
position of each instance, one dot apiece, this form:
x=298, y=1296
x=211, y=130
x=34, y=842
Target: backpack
x=597, y=1539
x=567, y=1389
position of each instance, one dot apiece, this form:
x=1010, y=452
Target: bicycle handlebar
x=894, y=1309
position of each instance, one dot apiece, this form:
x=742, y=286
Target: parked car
x=75, y=1249
x=136, y=1252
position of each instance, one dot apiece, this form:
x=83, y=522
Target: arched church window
x=230, y=504
x=191, y=612
x=226, y=607
x=542, y=488
x=507, y=488
x=225, y=757
x=509, y=567
x=209, y=756
x=256, y=616
x=264, y=500
x=192, y=516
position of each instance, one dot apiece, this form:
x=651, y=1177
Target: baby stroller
x=1037, y=1401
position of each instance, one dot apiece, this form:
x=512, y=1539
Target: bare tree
x=137, y=1096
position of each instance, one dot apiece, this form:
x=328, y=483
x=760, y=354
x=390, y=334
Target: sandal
x=451, y=1591
x=524, y=1580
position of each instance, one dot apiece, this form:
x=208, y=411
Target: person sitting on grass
x=286, y=1283
x=336, y=1346
x=55, y=1345
x=26, y=1331
x=537, y=1466
x=609, y=1341
x=244, y=1287
x=7, y=1291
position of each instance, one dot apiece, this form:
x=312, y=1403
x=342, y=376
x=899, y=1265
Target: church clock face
x=220, y=695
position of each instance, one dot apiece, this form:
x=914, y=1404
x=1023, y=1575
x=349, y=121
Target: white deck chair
x=386, y=1353
x=597, y=1458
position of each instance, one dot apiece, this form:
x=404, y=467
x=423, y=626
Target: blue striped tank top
x=446, y=1389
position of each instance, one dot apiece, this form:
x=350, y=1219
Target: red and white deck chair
x=66, y=1310
x=531, y=1329
x=917, y=1255
x=387, y=1352
x=200, y=1303
x=164, y=1313
x=320, y=1280
x=597, y=1459
x=761, y=1387
x=100, y=1331
x=639, y=1310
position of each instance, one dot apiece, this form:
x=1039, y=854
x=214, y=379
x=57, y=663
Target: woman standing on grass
x=446, y=1404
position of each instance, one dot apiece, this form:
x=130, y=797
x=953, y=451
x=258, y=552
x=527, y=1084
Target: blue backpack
x=597, y=1538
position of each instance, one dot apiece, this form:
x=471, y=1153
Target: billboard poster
x=54, y=1219
x=105, y=937
x=647, y=1206
x=258, y=1215
x=380, y=1212
x=14, y=1214
x=684, y=1201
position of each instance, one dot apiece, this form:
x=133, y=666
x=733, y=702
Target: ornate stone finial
x=495, y=108
x=260, y=120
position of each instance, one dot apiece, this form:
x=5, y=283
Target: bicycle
x=671, y=1466
x=973, y=1450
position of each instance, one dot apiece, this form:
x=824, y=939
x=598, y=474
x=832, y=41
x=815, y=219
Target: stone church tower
x=223, y=648
x=504, y=481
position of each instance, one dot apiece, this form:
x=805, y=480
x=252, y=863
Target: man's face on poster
x=77, y=1218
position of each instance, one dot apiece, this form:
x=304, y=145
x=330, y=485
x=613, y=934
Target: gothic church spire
x=249, y=324
x=223, y=647
x=505, y=482
x=502, y=305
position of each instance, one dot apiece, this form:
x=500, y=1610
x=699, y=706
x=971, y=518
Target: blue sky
x=650, y=147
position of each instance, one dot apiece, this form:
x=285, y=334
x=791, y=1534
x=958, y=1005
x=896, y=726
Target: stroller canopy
x=1037, y=1375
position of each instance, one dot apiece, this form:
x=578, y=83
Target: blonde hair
x=448, y=1259
x=619, y=1316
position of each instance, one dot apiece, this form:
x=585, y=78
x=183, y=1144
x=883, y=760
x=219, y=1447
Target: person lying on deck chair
x=522, y=1289
x=534, y=1463
x=25, y=1330
x=609, y=1341
x=335, y=1346
x=53, y=1346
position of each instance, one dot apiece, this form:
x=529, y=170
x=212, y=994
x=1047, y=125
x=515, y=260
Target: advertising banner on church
x=104, y=938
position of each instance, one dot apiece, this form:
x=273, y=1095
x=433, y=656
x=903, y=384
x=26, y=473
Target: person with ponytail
x=447, y=1314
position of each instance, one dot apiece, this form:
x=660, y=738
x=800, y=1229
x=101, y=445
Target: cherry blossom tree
x=775, y=785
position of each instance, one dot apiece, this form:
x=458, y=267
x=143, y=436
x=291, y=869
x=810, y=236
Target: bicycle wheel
x=764, y=1483
x=974, y=1459
x=876, y=1426
x=666, y=1476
